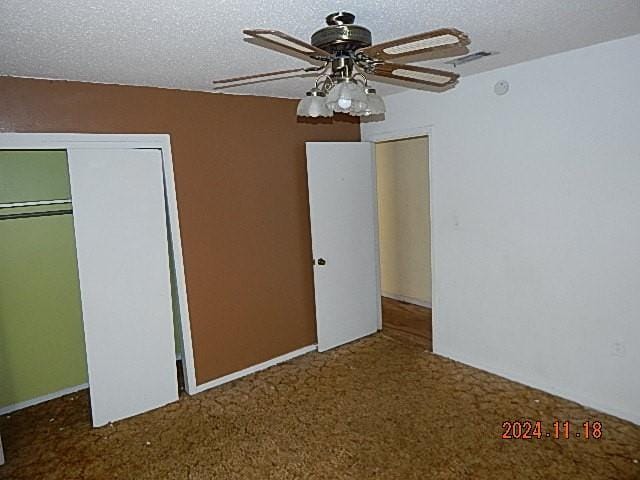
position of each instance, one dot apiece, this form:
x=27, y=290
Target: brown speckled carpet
x=378, y=408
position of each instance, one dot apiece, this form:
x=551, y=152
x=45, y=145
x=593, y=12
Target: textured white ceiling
x=187, y=43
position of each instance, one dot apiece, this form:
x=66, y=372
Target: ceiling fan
x=343, y=55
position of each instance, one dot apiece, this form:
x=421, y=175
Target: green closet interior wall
x=41, y=338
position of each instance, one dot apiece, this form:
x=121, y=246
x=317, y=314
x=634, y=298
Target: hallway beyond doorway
x=407, y=322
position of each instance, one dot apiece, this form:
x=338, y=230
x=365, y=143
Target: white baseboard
x=43, y=398
x=255, y=368
x=405, y=299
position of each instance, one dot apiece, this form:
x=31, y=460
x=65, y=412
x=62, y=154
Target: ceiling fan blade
x=418, y=44
x=260, y=75
x=287, y=43
x=415, y=74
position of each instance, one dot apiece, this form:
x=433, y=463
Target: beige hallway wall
x=403, y=210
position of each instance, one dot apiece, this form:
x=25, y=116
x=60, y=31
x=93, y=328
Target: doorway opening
x=404, y=226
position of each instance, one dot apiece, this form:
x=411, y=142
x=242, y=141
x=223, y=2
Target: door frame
x=403, y=134
x=66, y=141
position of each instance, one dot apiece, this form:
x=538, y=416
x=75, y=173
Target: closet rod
x=51, y=213
x=34, y=204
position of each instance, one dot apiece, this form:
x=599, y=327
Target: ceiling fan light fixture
x=347, y=97
x=314, y=105
x=375, y=104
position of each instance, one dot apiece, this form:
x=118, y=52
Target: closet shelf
x=50, y=213
x=35, y=203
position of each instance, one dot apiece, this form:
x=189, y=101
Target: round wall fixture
x=501, y=88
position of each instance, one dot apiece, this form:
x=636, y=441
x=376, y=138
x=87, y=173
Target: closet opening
x=42, y=350
x=43, y=337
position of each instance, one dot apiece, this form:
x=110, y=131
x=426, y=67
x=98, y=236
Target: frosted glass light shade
x=375, y=104
x=347, y=97
x=314, y=105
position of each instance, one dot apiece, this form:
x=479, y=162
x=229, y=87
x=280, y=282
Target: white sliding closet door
x=121, y=239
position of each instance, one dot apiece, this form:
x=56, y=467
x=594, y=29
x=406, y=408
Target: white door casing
x=123, y=264
x=343, y=211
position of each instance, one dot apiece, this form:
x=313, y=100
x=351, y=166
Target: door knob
x=322, y=261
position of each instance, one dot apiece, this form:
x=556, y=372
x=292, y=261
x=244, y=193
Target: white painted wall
x=536, y=221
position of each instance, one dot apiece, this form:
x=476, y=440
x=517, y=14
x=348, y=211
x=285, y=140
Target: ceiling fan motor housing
x=341, y=34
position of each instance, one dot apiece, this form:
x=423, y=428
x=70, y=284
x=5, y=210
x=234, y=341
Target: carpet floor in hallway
x=377, y=408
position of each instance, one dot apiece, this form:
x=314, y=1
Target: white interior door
x=343, y=210
x=123, y=264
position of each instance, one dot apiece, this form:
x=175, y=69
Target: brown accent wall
x=240, y=174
